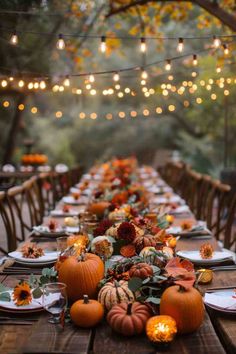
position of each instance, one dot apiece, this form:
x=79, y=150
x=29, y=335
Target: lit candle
x=161, y=330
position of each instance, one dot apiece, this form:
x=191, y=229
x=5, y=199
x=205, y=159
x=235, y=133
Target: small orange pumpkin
x=185, y=306
x=81, y=275
x=98, y=208
x=128, y=319
x=144, y=241
x=115, y=293
x=141, y=270
x=86, y=313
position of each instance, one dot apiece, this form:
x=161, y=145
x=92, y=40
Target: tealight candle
x=205, y=276
x=161, y=330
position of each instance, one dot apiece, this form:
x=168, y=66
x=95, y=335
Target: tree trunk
x=12, y=135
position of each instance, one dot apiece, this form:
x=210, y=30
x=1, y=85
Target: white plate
x=61, y=213
x=221, y=300
x=70, y=200
x=49, y=257
x=35, y=306
x=194, y=256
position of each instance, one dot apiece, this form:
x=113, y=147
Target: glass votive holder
x=161, y=330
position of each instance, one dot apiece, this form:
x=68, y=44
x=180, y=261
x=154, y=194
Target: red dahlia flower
x=126, y=231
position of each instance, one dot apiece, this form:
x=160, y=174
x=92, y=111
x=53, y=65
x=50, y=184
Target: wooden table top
x=217, y=334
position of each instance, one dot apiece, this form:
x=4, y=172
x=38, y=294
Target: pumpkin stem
x=181, y=289
x=86, y=299
x=129, y=307
x=116, y=283
x=82, y=257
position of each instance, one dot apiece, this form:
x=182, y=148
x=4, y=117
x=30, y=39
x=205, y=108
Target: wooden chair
x=9, y=224
x=33, y=200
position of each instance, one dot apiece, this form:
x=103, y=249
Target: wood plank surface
x=202, y=341
x=50, y=338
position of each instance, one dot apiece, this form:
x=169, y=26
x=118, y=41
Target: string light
x=60, y=43
x=58, y=114
x=109, y=116
x=159, y=110
x=14, y=39
x=66, y=81
x=82, y=115
x=4, y=83
x=122, y=115
x=21, y=107
x=34, y=110
x=180, y=46
x=144, y=75
x=36, y=85
x=42, y=85
x=226, y=49
x=21, y=83
x=11, y=78
x=216, y=42
x=30, y=85
x=103, y=45
x=168, y=65
x=143, y=45
x=91, y=78
x=6, y=104
x=171, y=108
x=195, y=61
x=116, y=77
x=93, y=115
x=218, y=69
x=133, y=114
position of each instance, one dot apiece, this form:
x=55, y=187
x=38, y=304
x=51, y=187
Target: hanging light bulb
x=60, y=43
x=195, y=61
x=103, y=45
x=116, y=77
x=168, y=65
x=144, y=74
x=143, y=45
x=66, y=81
x=218, y=69
x=91, y=78
x=180, y=46
x=216, y=42
x=42, y=85
x=21, y=83
x=14, y=39
x=226, y=49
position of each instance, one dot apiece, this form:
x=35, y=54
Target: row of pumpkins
x=125, y=315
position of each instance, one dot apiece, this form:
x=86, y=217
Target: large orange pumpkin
x=81, y=275
x=115, y=293
x=98, y=208
x=128, y=319
x=185, y=306
x=86, y=313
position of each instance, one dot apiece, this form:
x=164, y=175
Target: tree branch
x=211, y=7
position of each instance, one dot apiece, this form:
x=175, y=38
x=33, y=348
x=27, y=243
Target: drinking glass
x=55, y=300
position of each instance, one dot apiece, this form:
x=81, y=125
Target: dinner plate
x=194, y=256
x=221, y=300
x=35, y=306
x=47, y=258
x=61, y=213
x=71, y=200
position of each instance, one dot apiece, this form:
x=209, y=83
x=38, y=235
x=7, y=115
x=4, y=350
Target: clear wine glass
x=55, y=300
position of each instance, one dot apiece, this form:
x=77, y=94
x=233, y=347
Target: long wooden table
x=216, y=335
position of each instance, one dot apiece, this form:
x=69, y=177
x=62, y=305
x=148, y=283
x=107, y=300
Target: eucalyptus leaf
x=156, y=270
x=135, y=283
x=3, y=288
x=145, y=281
x=154, y=300
x=5, y=297
x=37, y=293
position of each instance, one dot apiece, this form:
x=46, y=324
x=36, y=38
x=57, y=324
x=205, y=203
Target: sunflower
x=22, y=294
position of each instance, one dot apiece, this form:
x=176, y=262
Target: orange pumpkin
x=141, y=270
x=185, y=306
x=81, y=275
x=98, y=208
x=86, y=313
x=115, y=293
x=144, y=241
x=128, y=319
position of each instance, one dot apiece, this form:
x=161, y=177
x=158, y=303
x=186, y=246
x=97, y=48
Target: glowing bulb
x=216, y=42
x=36, y=85
x=133, y=114
x=226, y=49
x=6, y=104
x=144, y=75
x=4, y=83
x=21, y=83
x=103, y=45
x=180, y=46
x=11, y=78
x=91, y=78
x=143, y=46
x=58, y=114
x=66, y=81
x=14, y=39
x=30, y=85
x=21, y=107
x=218, y=69
x=34, y=110
x=168, y=65
x=195, y=61
x=116, y=77
x=60, y=43
x=159, y=110
x=42, y=85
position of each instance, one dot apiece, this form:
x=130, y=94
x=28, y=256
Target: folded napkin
x=226, y=301
x=180, y=210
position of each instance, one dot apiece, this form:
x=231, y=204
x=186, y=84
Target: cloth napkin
x=226, y=302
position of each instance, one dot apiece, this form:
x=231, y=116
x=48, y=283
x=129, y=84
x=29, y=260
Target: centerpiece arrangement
x=131, y=272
